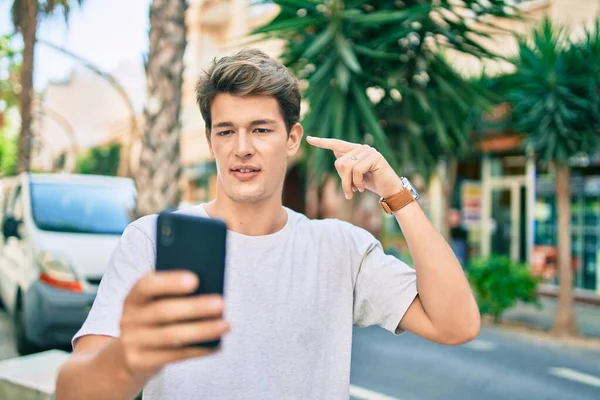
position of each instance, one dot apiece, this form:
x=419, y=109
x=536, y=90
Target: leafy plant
x=499, y=283
x=553, y=97
x=101, y=160
x=375, y=71
x=10, y=65
x=8, y=154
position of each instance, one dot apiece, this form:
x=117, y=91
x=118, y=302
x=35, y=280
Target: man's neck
x=252, y=219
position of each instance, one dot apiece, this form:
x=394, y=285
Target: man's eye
x=224, y=133
x=262, y=130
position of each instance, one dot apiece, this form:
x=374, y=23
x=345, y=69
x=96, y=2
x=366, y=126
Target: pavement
x=587, y=315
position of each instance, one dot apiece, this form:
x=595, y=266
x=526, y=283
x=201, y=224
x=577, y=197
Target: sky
x=104, y=32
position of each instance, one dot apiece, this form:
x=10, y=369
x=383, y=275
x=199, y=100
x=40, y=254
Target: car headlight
x=57, y=272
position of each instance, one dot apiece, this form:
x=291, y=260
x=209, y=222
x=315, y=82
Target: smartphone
x=193, y=243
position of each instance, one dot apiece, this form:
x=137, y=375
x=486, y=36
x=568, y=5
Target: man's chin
x=248, y=197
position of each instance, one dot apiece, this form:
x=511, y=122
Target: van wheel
x=24, y=345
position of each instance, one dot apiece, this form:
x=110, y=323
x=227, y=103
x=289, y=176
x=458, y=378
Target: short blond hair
x=246, y=73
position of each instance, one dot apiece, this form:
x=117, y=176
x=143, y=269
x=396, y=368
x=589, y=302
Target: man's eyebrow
x=222, y=125
x=227, y=124
x=263, y=122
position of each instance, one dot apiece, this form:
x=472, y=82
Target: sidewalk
x=588, y=316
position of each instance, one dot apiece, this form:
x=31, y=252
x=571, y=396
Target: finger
x=167, y=311
x=180, y=335
x=344, y=167
x=335, y=145
x=362, y=167
x=162, y=283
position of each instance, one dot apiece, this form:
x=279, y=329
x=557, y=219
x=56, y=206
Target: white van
x=58, y=233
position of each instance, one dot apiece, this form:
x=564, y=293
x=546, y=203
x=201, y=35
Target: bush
x=8, y=154
x=101, y=160
x=498, y=283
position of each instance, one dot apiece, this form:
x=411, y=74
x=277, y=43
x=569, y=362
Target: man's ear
x=294, y=139
x=210, y=148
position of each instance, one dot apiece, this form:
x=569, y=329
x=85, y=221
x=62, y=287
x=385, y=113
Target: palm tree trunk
x=564, y=323
x=157, y=177
x=448, y=181
x=28, y=28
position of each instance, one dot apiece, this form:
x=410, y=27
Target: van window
x=82, y=208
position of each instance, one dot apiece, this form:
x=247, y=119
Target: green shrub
x=498, y=283
x=101, y=160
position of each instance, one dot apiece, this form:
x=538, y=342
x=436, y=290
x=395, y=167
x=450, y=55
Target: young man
x=295, y=287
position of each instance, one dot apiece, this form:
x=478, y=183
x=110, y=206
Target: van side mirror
x=11, y=227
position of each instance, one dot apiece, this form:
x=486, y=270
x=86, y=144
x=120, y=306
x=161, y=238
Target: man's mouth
x=245, y=173
x=246, y=170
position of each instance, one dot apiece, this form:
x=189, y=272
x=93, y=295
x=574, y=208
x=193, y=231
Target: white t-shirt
x=291, y=299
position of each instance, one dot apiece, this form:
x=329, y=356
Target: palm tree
x=554, y=95
x=26, y=15
x=10, y=68
x=159, y=170
x=10, y=65
x=375, y=71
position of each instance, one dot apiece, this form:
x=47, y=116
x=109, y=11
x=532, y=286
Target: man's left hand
x=361, y=167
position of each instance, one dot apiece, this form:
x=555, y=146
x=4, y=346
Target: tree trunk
x=564, y=323
x=448, y=179
x=320, y=199
x=294, y=189
x=157, y=177
x=314, y=198
x=28, y=28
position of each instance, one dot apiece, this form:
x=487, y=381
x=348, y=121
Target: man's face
x=251, y=146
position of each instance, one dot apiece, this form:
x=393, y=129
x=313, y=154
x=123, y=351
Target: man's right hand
x=160, y=322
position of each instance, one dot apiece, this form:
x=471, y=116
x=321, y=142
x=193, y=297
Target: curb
x=31, y=377
x=579, y=295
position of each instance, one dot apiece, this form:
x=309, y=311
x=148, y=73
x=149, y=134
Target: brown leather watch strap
x=397, y=201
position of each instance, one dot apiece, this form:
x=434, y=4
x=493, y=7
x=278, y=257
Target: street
x=498, y=365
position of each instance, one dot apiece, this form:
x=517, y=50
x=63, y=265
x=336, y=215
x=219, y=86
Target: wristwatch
x=398, y=201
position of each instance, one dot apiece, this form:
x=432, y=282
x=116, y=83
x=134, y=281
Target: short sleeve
x=384, y=286
x=131, y=259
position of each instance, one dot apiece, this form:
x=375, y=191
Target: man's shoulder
x=145, y=225
x=327, y=226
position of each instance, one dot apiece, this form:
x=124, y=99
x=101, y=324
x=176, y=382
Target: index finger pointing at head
x=163, y=283
x=331, y=144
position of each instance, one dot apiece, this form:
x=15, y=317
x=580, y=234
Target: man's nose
x=244, y=146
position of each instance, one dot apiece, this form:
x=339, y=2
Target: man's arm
x=445, y=310
x=159, y=325
x=96, y=370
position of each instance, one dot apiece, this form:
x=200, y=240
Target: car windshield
x=82, y=208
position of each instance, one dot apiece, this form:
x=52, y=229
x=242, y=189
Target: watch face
x=410, y=188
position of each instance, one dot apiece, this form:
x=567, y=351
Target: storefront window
x=585, y=227
x=509, y=165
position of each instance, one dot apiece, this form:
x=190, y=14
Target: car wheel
x=24, y=345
